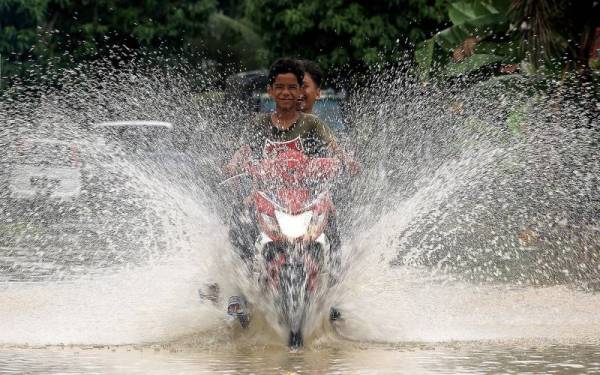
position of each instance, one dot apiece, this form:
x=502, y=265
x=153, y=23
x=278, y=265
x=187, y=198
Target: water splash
x=481, y=221
x=502, y=193
x=475, y=217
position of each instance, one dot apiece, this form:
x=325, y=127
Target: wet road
x=322, y=358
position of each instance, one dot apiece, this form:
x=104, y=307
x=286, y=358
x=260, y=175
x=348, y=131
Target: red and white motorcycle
x=292, y=205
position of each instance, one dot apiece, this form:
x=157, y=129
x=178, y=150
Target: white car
x=159, y=142
x=47, y=168
x=136, y=136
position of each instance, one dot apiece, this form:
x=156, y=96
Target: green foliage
x=476, y=21
x=151, y=23
x=235, y=41
x=473, y=63
x=19, y=21
x=341, y=33
x=76, y=30
x=546, y=35
x=479, y=19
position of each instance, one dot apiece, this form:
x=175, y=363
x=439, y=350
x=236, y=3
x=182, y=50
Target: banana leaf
x=424, y=58
x=470, y=19
x=469, y=12
x=471, y=64
x=473, y=20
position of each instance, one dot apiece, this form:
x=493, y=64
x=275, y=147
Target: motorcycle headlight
x=293, y=226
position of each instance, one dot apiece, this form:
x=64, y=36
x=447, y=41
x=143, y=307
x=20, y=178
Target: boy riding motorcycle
x=286, y=125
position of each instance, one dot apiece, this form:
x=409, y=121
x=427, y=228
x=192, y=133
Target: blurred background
x=445, y=38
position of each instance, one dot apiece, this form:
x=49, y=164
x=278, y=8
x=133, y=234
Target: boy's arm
x=244, y=153
x=240, y=156
x=333, y=147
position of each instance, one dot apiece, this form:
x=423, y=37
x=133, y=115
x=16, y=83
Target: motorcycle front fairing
x=298, y=221
x=292, y=200
x=292, y=206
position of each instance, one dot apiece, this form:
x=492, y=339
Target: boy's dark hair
x=283, y=66
x=313, y=69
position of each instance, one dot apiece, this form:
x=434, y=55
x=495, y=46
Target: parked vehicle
x=47, y=168
x=158, y=142
x=66, y=205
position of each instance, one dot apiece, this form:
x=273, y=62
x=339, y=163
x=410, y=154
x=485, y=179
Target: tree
x=175, y=24
x=75, y=30
x=19, y=21
x=234, y=42
x=344, y=33
x=542, y=33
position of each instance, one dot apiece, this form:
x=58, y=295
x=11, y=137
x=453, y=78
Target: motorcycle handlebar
x=316, y=168
x=294, y=170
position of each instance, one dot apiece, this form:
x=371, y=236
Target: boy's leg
x=243, y=232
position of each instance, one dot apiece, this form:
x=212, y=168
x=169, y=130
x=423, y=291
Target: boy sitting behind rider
x=311, y=86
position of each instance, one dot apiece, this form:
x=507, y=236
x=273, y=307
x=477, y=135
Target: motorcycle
x=292, y=206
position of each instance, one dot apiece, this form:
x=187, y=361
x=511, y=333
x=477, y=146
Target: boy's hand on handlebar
x=230, y=169
x=239, y=159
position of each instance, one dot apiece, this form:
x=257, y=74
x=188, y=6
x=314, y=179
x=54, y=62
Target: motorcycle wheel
x=296, y=340
x=244, y=320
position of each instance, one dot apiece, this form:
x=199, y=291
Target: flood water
x=470, y=240
x=527, y=356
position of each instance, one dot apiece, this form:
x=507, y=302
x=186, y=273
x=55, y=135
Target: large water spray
x=482, y=192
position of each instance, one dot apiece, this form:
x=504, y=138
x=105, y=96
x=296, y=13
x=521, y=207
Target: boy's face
x=285, y=90
x=310, y=93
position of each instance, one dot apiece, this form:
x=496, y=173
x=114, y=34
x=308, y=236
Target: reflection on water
x=448, y=358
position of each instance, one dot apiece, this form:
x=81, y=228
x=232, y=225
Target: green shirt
x=314, y=134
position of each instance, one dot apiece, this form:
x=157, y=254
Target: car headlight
x=293, y=226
